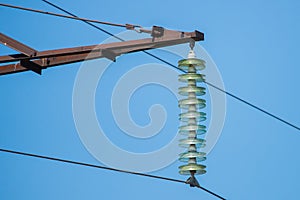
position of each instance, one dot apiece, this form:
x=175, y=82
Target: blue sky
x=255, y=45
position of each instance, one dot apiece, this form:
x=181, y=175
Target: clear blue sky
x=255, y=45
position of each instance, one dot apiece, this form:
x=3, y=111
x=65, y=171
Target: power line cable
x=105, y=168
x=129, y=26
x=88, y=21
x=170, y=64
x=254, y=106
x=97, y=166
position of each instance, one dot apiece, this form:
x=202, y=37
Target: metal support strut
x=31, y=59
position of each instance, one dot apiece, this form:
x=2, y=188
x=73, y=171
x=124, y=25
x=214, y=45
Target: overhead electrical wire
x=174, y=66
x=90, y=22
x=97, y=166
x=70, y=17
x=231, y=95
x=110, y=34
x=105, y=168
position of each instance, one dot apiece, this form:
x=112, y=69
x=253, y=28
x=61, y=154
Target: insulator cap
x=191, y=52
x=195, y=62
x=198, y=129
x=199, y=156
x=198, y=116
x=186, y=169
x=189, y=76
x=184, y=91
x=199, y=143
x=186, y=103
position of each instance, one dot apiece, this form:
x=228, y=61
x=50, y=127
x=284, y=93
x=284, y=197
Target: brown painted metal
x=16, y=45
x=160, y=38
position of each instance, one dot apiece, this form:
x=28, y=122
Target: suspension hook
x=192, y=44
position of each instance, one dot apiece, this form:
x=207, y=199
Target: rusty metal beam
x=160, y=38
x=16, y=45
x=49, y=62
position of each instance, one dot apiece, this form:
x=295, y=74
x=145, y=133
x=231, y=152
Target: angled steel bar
x=16, y=45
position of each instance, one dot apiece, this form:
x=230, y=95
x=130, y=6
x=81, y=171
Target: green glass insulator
x=196, y=168
x=185, y=91
x=191, y=117
x=197, y=63
x=191, y=76
x=199, y=156
x=198, y=129
x=186, y=103
x=198, y=116
x=192, y=141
